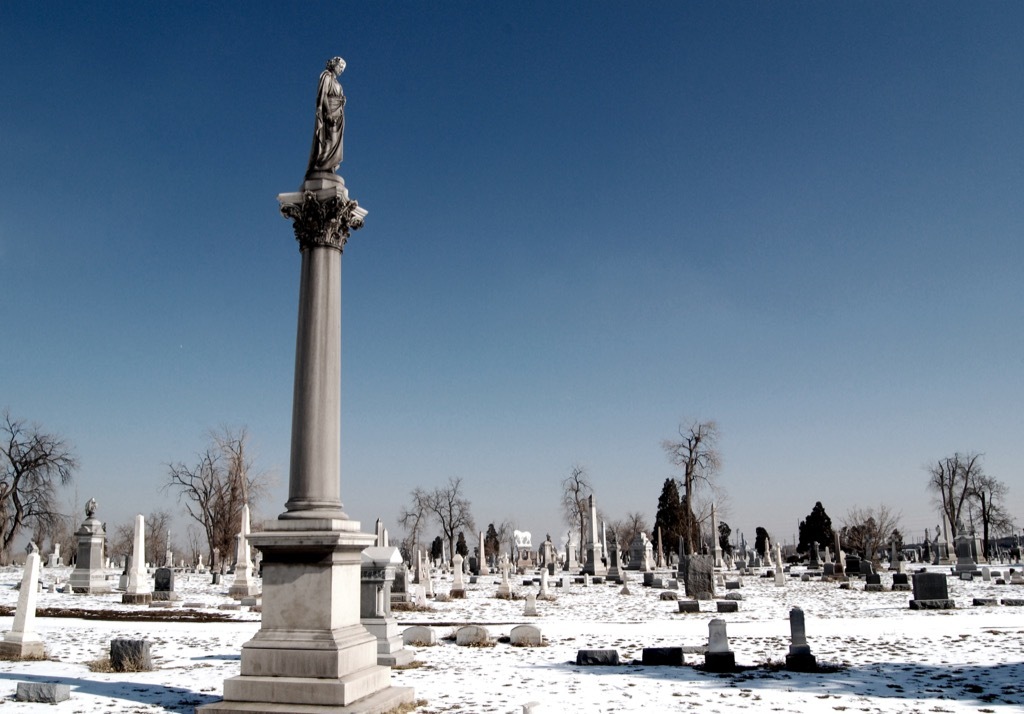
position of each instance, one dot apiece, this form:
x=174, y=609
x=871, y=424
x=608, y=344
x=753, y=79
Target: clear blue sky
x=588, y=221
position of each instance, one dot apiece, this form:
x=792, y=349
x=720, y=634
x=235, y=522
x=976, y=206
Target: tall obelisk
x=311, y=653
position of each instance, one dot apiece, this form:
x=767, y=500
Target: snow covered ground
x=886, y=657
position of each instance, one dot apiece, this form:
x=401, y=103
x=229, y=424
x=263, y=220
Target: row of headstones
x=717, y=656
x=473, y=636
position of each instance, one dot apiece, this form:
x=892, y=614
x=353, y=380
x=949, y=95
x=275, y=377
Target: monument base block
x=720, y=662
x=136, y=598
x=379, y=703
x=33, y=649
x=311, y=653
x=932, y=605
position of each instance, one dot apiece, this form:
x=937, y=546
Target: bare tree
x=214, y=489
x=626, y=529
x=990, y=495
x=576, y=491
x=869, y=530
x=452, y=510
x=414, y=518
x=33, y=464
x=950, y=481
x=696, y=453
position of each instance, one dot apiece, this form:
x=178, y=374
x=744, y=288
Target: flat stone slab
x=932, y=605
x=669, y=595
x=662, y=657
x=727, y=606
x=985, y=601
x=689, y=606
x=597, y=658
x=44, y=692
x=1013, y=602
x=734, y=596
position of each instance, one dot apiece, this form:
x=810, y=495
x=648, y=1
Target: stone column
x=138, y=591
x=244, y=585
x=595, y=553
x=312, y=653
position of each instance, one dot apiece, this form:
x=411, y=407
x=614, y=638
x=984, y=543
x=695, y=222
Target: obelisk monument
x=311, y=653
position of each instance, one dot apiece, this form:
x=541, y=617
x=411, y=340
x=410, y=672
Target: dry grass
x=415, y=664
x=409, y=707
x=410, y=607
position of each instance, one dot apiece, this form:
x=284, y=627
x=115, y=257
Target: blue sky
x=588, y=222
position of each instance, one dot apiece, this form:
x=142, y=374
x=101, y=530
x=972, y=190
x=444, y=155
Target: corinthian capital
x=322, y=218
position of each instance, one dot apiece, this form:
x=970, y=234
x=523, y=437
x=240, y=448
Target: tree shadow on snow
x=171, y=698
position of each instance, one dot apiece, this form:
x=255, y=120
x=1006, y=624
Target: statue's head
x=336, y=65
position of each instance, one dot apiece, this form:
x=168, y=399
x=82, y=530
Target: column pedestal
x=311, y=653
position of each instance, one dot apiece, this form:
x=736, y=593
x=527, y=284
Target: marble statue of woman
x=326, y=154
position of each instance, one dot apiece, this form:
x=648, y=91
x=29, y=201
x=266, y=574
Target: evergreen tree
x=724, y=533
x=460, y=545
x=816, y=528
x=437, y=549
x=760, y=541
x=670, y=516
x=491, y=543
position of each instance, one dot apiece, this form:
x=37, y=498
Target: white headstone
x=718, y=641
x=23, y=636
x=138, y=578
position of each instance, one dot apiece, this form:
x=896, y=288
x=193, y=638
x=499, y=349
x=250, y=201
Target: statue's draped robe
x=329, y=130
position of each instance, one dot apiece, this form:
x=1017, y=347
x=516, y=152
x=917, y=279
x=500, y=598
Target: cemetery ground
x=875, y=654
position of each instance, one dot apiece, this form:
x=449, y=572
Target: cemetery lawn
x=876, y=655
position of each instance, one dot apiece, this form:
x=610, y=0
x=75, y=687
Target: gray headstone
x=163, y=580
x=663, y=657
x=589, y=658
x=130, y=655
x=44, y=692
x=698, y=575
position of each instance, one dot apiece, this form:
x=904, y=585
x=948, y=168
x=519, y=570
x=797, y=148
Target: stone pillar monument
x=89, y=575
x=23, y=642
x=139, y=591
x=244, y=585
x=311, y=653
x=595, y=553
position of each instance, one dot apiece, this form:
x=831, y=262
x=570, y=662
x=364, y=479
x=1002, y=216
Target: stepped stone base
x=378, y=703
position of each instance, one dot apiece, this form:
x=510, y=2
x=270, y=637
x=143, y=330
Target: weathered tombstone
x=853, y=565
x=163, y=585
x=641, y=554
x=986, y=574
x=595, y=550
x=526, y=636
x=812, y=557
x=42, y=692
x=130, y=655
x=597, y=658
x=717, y=551
x=530, y=609
x=614, y=573
x=662, y=657
x=55, y=560
x=718, y=658
x=88, y=575
x=931, y=592
x=377, y=572
x=571, y=564
x=965, y=562
x=900, y=581
x=689, y=606
x=458, y=584
x=22, y=642
x=698, y=575
x=799, y=658
x=419, y=636
x=244, y=584
x=873, y=583
x=505, y=588
x=138, y=591
x=724, y=606
x=472, y=635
